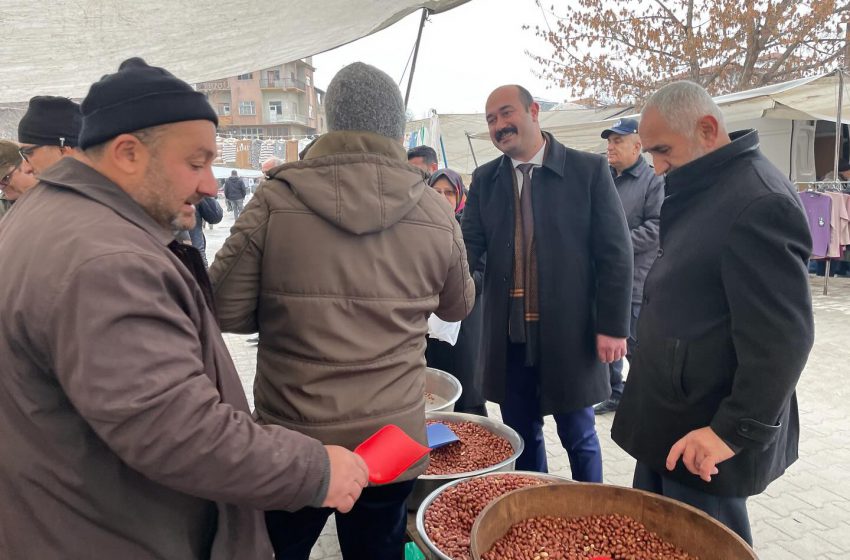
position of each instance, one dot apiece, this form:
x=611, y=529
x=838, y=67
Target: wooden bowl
x=684, y=526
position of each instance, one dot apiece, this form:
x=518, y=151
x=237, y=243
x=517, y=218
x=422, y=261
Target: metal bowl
x=420, y=514
x=445, y=388
x=427, y=483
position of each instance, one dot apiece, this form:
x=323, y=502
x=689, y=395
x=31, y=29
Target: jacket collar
x=553, y=158
x=635, y=170
x=76, y=176
x=703, y=172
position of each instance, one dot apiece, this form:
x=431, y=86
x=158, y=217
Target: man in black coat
x=641, y=192
x=235, y=191
x=726, y=324
x=557, y=285
x=207, y=210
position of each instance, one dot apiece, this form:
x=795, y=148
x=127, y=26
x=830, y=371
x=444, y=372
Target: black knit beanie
x=139, y=96
x=50, y=121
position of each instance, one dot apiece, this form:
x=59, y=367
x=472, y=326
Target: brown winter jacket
x=337, y=261
x=124, y=430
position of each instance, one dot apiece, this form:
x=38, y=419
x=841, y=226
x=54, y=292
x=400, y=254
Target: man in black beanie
x=126, y=429
x=48, y=131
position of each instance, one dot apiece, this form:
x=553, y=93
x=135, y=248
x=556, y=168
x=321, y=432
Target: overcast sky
x=465, y=53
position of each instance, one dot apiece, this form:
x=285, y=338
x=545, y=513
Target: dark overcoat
x=726, y=323
x=584, y=260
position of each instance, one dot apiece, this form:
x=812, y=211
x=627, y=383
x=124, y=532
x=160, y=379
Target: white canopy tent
x=459, y=130
x=224, y=172
x=61, y=48
x=813, y=98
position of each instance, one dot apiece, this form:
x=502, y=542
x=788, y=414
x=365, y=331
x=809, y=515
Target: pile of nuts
x=449, y=518
x=478, y=448
x=618, y=537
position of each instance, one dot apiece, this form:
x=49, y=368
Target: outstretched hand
x=701, y=451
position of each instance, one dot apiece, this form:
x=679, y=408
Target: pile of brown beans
x=478, y=448
x=618, y=537
x=449, y=518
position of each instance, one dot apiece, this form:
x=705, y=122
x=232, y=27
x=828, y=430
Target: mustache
x=507, y=130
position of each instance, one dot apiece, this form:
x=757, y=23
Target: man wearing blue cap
x=641, y=193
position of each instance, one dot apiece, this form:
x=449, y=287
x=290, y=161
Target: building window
x=248, y=76
x=308, y=81
x=275, y=109
x=224, y=109
x=247, y=108
x=310, y=111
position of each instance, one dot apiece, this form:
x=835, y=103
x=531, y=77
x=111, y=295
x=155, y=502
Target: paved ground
x=803, y=515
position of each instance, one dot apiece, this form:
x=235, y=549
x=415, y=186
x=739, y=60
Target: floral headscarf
x=457, y=182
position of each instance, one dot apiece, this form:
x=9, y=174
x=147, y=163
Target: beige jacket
x=124, y=430
x=338, y=261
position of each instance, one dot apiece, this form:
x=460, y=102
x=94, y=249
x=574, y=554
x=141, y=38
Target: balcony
x=283, y=83
x=215, y=85
x=287, y=118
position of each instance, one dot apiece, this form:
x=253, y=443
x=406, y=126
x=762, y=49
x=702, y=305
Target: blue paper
x=440, y=435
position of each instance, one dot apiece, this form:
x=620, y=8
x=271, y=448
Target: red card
x=389, y=452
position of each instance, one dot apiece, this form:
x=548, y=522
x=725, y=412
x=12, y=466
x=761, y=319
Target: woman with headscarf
x=462, y=359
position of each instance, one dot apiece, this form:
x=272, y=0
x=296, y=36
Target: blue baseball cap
x=622, y=126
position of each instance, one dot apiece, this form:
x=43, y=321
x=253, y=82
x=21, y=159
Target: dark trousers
x=616, y=368
x=521, y=411
x=732, y=512
x=372, y=530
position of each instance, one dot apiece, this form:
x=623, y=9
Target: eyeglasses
x=5, y=180
x=28, y=151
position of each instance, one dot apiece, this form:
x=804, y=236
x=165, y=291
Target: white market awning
x=61, y=48
x=814, y=98
x=224, y=172
x=459, y=131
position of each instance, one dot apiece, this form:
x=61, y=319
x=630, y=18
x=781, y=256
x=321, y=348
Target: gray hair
x=362, y=97
x=682, y=104
x=274, y=161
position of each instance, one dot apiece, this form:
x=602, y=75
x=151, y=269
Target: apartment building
x=277, y=102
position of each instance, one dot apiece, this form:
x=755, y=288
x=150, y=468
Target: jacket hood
x=359, y=181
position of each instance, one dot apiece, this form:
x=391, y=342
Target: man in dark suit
x=557, y=287
x=726, y=323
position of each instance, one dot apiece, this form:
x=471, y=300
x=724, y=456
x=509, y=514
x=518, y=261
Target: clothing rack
x=827, y=186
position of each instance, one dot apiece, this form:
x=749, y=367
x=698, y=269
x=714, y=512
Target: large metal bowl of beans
x=581, y=521
x=442, y=390
x=486, y=445
x=444, y=520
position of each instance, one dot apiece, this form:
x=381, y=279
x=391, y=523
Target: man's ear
x=534, y=109
x=128, y=154
x=708, y=130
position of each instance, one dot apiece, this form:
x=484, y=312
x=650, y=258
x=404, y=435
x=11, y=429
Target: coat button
x=505, y=279
x=745, y=428
x=509, y=244
x=660, y=253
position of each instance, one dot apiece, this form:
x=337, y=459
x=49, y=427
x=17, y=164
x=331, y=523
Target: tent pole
x=443, y=149
x=468, y=139
x=838, y=130
x=415, y=54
